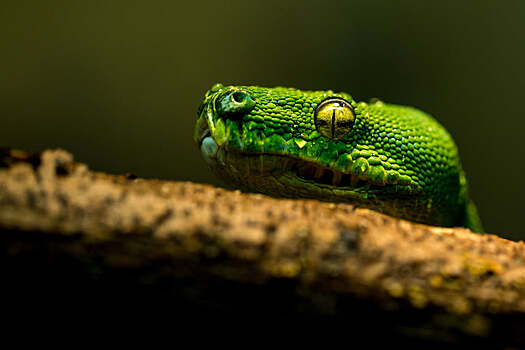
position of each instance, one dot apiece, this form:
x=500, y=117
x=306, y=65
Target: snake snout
x=235, y=103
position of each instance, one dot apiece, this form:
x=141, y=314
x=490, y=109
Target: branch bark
x=201, y=250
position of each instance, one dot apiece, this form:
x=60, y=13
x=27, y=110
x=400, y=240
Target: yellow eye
x=334, y=118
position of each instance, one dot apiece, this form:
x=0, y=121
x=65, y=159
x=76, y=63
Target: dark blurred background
x=118, y=83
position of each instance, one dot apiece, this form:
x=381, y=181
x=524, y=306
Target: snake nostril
x=235, y=103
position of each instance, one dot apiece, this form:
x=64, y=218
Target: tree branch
x=205, y=250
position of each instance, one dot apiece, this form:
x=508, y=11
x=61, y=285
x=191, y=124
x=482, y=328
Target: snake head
x=325, y=145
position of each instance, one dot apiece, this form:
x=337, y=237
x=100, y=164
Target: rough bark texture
x=71, y=235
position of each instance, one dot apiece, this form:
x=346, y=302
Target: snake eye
x=334, y=118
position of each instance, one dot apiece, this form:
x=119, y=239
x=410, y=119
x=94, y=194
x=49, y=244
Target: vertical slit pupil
x=333, y=123
x=331, y=114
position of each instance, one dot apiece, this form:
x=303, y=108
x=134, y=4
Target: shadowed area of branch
x=72, y=238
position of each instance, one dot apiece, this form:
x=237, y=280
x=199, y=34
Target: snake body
x=324, y=145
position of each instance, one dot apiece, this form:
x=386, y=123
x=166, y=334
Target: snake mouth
x=243, y=166
x=310, y=172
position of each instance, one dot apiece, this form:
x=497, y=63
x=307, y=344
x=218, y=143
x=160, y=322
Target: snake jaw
x=244, y=168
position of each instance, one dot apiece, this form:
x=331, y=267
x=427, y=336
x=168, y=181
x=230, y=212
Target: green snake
x=324, y=145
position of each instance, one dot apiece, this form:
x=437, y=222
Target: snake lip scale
x=325, y=145
x=305, y=171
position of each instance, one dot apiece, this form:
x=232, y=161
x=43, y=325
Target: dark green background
x=118, y=82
